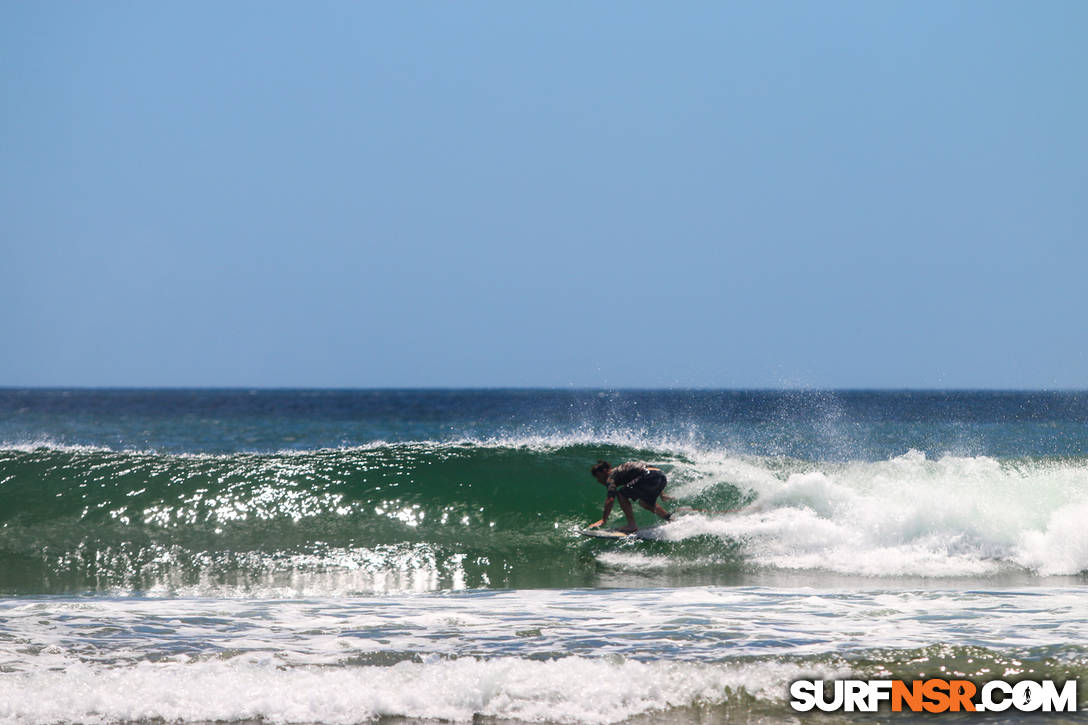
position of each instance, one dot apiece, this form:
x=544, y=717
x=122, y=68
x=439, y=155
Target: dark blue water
x=811, y=425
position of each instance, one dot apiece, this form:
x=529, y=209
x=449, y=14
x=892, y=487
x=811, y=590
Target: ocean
x=413, y=556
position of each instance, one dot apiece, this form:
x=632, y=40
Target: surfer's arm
x=607, y=510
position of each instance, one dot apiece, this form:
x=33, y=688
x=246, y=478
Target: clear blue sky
x=712, y=194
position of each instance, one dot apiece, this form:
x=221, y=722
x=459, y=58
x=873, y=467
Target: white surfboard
x=649, y=532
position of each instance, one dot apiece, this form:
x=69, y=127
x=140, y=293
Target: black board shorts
x=646, y=487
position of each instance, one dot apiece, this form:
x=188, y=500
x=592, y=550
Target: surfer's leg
x=655, y=487
x=656, y=508
x=625, y=504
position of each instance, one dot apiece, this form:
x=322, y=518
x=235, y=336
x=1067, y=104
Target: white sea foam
x=689, y=624
x=577, y=656
x=908, y=516
x=568, y=690
x=1062, y=546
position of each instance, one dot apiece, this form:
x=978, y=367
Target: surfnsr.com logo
x=933, y=695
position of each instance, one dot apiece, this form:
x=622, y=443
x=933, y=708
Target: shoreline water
x=703, y=654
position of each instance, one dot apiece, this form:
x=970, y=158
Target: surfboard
x=646, y=532
x=649, y=532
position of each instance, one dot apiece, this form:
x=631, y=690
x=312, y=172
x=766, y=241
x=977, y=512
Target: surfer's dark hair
x=600, y=467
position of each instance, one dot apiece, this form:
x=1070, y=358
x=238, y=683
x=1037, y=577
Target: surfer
x=631, y=480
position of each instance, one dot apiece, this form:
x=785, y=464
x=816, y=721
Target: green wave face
x=403, y=516
x=435, y=516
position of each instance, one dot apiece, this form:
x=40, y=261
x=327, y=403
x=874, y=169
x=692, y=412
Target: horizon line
x=528, y=388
